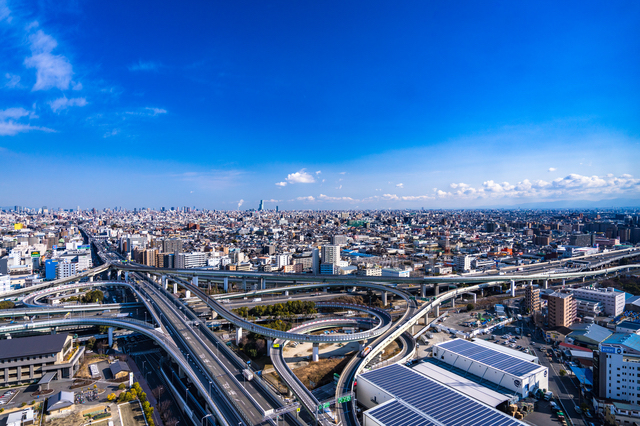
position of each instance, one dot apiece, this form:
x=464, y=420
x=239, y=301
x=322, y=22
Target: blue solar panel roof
x=496, y=359
x=397, y=414
x=423, y=401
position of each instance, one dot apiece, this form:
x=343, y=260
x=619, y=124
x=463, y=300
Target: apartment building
x=612, y=301
x=562, y=310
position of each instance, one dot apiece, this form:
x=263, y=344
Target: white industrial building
x=520, y=374
x=612, y=301
x=399, y=396
x=618, y=368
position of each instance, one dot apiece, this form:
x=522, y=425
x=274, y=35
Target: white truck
x=247, y=374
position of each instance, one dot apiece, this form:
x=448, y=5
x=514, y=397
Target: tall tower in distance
x=261, y=207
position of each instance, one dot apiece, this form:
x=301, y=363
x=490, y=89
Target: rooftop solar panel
x=440, y=403
x=397, y=414
x=498, y=360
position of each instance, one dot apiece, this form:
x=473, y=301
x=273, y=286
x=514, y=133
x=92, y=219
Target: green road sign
x=344, y=399
x=412, y=298
x=323, y=406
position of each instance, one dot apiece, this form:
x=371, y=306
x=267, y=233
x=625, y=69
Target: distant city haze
x=319, y=105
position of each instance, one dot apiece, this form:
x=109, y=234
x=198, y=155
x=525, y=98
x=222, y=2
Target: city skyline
x=319, y=106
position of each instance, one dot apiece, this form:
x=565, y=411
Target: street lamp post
x=202, y=419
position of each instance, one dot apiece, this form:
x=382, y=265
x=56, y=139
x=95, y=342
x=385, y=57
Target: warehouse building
x=29, y=359
x=400, y=396
x=519, y=374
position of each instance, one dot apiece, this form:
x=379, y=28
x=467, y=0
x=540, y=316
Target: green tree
x=111, y=397
x=562, y=373
x=470, y=307
x=122, y=386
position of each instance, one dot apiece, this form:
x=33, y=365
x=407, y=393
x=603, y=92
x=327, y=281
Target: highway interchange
x=209, y=364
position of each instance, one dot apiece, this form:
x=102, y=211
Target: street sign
x=298, y=410
x=323, y=406
x=344, y=399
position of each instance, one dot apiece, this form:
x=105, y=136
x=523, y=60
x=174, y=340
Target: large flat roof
x=422, y=401
x=30, y=346
x=461, y=384
x=491, y=357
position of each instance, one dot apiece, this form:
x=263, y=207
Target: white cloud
x=64, y=103
x=14, y=80
x=300, y=177
x=111, y=133
x=281, y=183
x=323, y=197
x=309, y=198
x=10, y=128
x=77, y=86
x=342, y=173
x=400, y=185
x=240, y=203
x=51, y=70
x=318, y=172
x=339, y=187
x=145, y=66
x=552, y=169
x=5, y=13
x=156, y=111
x=14, y=113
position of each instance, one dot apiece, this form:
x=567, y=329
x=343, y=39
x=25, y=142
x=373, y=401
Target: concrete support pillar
x=325, y=289
x=238, y=335
x=513, y=288
x=269, y=344
x=426, y=318
x=148, y=275
x=175, y=288
x=263, y=284
x=163, y=280
x=110, y=335
x=78, y=290
x=413, y=329
x=244, y=284
x=423, y=290
x=583, y=278
x=315, y=356
x=91, y=279
x=119, y=275
x=546, y=284
x=226, y=284
x=187, y=294
x=453, y=302
x=361, y=344
x=126, y=275
x=286, y=293
x=384, y=298
x=194, y=281
x=437, y=311
x=436, y=289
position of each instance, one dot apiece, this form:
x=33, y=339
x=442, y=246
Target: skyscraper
x=261, y=207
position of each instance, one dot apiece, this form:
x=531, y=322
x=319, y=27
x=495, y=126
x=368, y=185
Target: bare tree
x=157, y=392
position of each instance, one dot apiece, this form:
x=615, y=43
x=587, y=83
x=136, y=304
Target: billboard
x=610, y=350
x=84, y=247
x=35, y=254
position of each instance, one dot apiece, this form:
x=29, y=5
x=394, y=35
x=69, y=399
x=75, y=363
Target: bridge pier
x=110, y=336
x=175, y=288
x=163, y=280
x=244, y=284
x=269, y=345
x=119, y=275
x=226, y=284
x=436, y=289
x=78, y=290
x=194, y=281
x=426, y=318
x=437, y=311
x=563, y=282
x=263, y=284
x=583, y=278
x=126, y=275
x=91, y=279
x=513, y=288
x=238, y=335
x=546, y=284
x=423, y=290
x=384, y=298
x=315, y=356
x=187, y=294
x=286, y=293
x=453, y=302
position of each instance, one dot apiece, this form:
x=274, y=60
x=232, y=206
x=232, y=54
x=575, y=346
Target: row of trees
x=278, y=310
x=134, y=393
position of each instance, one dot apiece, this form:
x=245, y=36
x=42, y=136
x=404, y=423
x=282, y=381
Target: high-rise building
x=172, y=245
x=531, y=299
x=582, y=240
x=330, y=254
x=339, y=240
x=562, y=310
x=261, y=206
x=462, y=263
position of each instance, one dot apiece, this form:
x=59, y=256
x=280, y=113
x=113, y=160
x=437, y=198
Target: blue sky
x=322, y=105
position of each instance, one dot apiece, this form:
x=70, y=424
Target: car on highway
x=578, y=409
